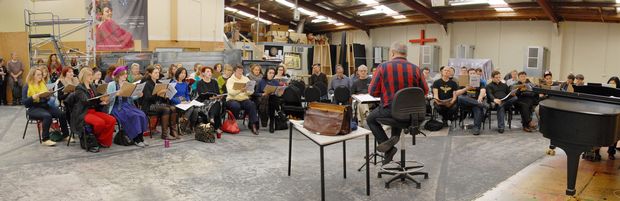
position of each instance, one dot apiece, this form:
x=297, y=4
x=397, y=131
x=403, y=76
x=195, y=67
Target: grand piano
x=578, y=121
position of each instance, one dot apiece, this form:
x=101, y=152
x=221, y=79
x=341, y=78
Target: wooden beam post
x=546, y=6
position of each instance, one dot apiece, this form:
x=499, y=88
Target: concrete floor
x=247, y=167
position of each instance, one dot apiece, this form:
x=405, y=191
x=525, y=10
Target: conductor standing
x=390, y=77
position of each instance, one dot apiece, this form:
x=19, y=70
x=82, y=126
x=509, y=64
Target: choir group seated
x=125, y=100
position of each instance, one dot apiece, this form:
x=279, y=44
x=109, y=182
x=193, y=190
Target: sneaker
x=476, y=131
x=49, y=143
x=387, y=145
x=141, y=144
x=389, y=155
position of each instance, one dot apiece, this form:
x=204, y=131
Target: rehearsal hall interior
x=288, y=100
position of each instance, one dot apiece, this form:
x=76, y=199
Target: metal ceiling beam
x=332, y=14
x=426, y=11
x=548, y=10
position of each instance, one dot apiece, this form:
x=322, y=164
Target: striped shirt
x=394, y=75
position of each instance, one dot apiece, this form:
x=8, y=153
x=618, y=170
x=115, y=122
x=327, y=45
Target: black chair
x=342, y=95
x=464, y=112
x=301, y=85
x=312, y=94
x=408, y=112
x=32, y=121
x=323, y=88
x=493, y=107
x=291, y=102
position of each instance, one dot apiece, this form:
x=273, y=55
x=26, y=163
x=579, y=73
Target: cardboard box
x=277, y=27
x=299, y=38
x=278, y=36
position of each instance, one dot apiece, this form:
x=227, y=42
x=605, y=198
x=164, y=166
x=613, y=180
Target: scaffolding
x=36, y=40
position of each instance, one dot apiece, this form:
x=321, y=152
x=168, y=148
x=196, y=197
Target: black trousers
x=447, y=113
x=214, y=114
x=525, y=105
x=45, y=115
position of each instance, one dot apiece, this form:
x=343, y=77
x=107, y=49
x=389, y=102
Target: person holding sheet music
x=266, y=102
x=208, y=91
x=35, y=96
x=134, y=74
x=281, y=76
x=526, y=99
x=132, y=120
x=473, y=97
x=68, y=81
x=97, y=77
x=445, y=96
x=158, y=104
x=500, y=97
x=222, y=79
x=87, y=106
x=182, y=96
x=239, y=98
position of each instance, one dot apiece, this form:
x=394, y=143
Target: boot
x=152, y=125
x=271, y=125
x=174, y=132
x=165, y=126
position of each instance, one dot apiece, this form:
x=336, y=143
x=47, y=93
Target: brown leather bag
x=328, y=119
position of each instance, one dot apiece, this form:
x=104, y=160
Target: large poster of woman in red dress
x=117, y=23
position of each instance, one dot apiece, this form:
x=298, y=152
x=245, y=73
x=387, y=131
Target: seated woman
x=196, y=76
x=281, y=75
x=159, y=105
x=239, y=99
x=97, y=78
x=255, y=73
x=66, y=79
x=134, y=74
x=132, y=120
x=221, y=80
x=183, y=96
x=267, y=103
x=38, y=107
x=91, y=112
x=207, y=91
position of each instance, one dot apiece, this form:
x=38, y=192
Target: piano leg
x=573, y=152
x=572, y=158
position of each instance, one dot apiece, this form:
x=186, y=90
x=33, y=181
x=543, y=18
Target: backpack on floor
x=433, y=125
x=121, y=139
x=205, y=133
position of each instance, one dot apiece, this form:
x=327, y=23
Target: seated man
x=570, y=81
x=579, y=80
x=526, y=99
x=385, y=83
x=339, y=79
x=360, y=86
x=500, y=98
x=444, y=93
x=473, y=97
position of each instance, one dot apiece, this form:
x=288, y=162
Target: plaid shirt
x=394, y=75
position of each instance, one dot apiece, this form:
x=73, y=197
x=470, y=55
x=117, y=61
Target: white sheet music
x=185, y=106
x=364, y=98
x=138, y=89
x=171, y=90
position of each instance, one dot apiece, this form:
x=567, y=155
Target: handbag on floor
x=230, y=124
x=280, y=121
x=328, y=119
x=205, y=133
x=88, y=141
x=121, y=139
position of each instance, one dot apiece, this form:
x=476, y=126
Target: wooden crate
x=277, y=27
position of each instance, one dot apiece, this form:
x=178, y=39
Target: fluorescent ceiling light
x=497, y=2
x=506, y=9
x=307, y=12
x=369, y=12
x=399, y=17
x=230, y=9
x=468, y=2
x=286, y=3
x=618, y=9
x=339, y=24
x=617, y=1
x=245, y=14
x=290, y=30
x=264, y=21
x=320, y=17
x=369, y=2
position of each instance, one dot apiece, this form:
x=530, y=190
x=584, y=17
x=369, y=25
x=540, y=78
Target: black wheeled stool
x=408, y=111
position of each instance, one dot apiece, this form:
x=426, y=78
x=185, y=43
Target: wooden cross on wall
x=423, y=40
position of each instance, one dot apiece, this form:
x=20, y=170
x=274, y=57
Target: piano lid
x=590, y=93
x=582, y=106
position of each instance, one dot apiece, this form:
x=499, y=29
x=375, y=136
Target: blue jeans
x=501, y=111
x=247, y=105
x=375, y=126
x=477, y=108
